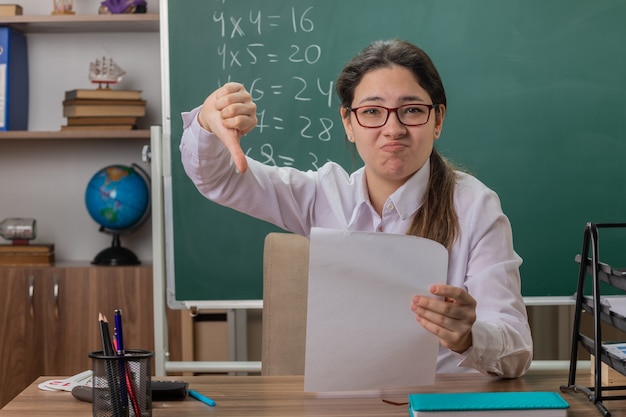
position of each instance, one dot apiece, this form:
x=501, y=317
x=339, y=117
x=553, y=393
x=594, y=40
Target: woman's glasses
x=408, y=114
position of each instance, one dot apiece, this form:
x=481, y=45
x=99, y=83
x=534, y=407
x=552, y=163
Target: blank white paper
x=361, y=332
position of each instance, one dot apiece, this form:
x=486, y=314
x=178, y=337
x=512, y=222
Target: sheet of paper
x=361, y=332
x=616, y=303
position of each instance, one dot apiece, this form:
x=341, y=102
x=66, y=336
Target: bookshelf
x=43, y=174
x=74, y=24
x=78, y=135
x=83, y=23
x=60, y=48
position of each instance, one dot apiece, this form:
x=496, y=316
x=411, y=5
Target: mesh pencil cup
x=121, y=384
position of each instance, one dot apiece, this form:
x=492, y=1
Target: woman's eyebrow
x=370, y=99
x=403, y=99
x=412, y=99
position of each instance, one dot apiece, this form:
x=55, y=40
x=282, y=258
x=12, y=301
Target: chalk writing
x=259, y=49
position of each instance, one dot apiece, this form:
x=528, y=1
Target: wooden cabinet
x=49, y=318
x=20, y=333
x=75, y=296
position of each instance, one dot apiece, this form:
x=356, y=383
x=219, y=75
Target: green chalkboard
x=536, y=110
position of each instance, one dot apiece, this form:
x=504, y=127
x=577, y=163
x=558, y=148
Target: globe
x=118, y=199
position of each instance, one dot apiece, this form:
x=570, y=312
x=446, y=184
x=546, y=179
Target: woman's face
x=393, y=152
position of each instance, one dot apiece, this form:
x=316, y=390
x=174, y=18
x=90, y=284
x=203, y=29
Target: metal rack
x=599, y=272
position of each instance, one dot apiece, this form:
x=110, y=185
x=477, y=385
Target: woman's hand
x=450, y=319
x=230, y=113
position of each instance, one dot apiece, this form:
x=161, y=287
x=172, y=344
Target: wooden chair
x=285, y=282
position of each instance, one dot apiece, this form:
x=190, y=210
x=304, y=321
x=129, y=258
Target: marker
x=195, y=394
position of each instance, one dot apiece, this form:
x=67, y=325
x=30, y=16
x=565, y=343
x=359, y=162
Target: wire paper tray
x=613, y=360
x=612, y=310
x=615, y=277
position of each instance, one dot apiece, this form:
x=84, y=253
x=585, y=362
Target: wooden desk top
x=284, y=397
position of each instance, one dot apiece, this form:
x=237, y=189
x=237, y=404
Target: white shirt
x=482, y=259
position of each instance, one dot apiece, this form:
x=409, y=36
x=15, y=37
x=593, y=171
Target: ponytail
x=437, y=219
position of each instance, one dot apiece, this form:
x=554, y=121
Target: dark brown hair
x=436, y=219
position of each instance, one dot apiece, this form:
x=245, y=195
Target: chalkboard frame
x=545, y=56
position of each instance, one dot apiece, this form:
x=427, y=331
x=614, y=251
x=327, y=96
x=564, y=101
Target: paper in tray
x=617, y=349
x=612, y=305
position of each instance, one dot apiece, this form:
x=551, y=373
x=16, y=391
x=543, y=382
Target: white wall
x=46, y=179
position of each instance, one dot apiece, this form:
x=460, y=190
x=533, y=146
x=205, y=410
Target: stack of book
x=27, y=255
x=102, y=109
x=10, y=10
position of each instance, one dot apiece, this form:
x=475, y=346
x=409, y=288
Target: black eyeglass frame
x=392, y=110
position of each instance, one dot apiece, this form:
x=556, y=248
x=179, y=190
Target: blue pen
x=202, y=398
x=119, y=334
x=119, y=347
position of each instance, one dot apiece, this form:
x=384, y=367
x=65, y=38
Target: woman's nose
x=394, y=127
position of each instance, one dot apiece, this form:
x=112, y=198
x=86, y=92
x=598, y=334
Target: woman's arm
x=480, y=314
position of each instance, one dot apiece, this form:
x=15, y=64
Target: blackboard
x=536, y=110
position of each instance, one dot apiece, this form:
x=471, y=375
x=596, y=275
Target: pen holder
x=121, y=384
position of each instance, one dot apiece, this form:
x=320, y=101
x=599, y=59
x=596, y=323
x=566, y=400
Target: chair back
x=285, y=288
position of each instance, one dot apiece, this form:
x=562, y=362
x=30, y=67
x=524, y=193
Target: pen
x=119, y=338
x=126, y=389
x=202, y=398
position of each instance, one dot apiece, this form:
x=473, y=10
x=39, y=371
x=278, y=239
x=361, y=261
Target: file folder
x=13, y=80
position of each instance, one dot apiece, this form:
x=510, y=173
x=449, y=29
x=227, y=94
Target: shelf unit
x=81, y=23
x=601, y=313
x=64, y=28
x=75, y=134
x=96, y=23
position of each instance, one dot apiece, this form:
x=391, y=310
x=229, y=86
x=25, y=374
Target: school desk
x=284, y=397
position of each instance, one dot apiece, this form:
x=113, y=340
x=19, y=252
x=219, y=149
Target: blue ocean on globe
x=117, y=197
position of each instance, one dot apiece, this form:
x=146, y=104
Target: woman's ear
x=440, y=114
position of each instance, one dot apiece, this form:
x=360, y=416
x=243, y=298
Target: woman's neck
x=379, y=190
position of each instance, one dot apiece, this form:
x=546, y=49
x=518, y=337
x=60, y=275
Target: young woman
x=393, y=106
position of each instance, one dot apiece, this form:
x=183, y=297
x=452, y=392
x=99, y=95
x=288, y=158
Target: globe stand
x=116, y=255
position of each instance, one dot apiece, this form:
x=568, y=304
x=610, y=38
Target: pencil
x=107, y=345
x=107, y=349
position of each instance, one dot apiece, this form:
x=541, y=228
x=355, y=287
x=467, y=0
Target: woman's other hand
x=230, y=113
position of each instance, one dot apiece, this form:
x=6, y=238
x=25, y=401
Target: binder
x=13, y=80
x=518, y=404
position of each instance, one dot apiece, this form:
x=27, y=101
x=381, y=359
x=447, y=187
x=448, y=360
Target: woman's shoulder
x=470, y=189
